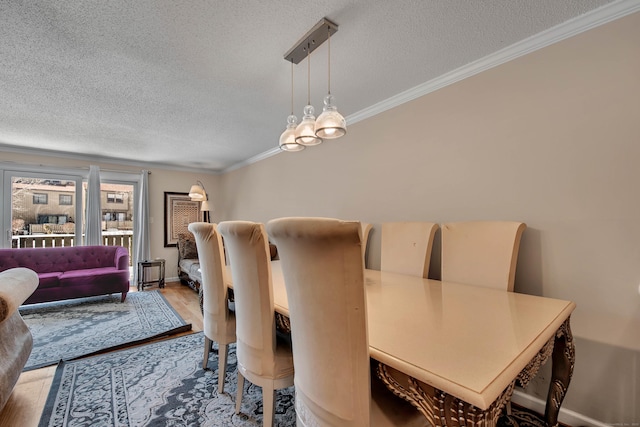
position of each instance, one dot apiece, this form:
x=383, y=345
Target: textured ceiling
x=203, y=84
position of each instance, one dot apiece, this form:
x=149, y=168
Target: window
x=40, y=199
x=115, y=198
x=52, y=219
x=66, y=200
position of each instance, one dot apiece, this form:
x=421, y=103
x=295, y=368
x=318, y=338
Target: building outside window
x=37, y=221
x=40, y=199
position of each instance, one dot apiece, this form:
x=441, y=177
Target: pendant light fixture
x=330, y=123
x=306, y=130
x=288, y=137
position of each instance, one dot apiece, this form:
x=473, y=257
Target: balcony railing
x=122, y=238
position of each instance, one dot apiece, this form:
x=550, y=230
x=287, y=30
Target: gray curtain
x=142, y=244
x=93, y=225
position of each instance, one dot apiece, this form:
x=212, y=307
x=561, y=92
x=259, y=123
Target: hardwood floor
x=25, y=405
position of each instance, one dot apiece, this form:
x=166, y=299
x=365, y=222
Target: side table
x=141, y=270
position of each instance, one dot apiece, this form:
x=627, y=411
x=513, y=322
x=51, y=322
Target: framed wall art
x=179, y=212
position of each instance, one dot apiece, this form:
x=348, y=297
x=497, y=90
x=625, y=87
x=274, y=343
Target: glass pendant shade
x=288, y=137
x=306, y=130
x=330, y=123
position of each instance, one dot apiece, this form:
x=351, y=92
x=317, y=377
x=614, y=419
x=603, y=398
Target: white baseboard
x=566, y=416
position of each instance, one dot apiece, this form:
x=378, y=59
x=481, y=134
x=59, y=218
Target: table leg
x=563, y=360
x=161, y=279
x=441, y=409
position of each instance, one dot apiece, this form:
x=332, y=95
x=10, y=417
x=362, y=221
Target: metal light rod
x=313, y=39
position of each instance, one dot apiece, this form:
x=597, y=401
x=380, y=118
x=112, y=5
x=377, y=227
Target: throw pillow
x=187, y=246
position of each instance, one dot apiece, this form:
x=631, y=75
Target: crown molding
x=254, y=159
x=595, y=18
x=570, y=28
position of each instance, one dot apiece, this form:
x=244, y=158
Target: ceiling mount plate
x=313, y=39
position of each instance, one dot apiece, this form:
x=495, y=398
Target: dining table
x=457, y=351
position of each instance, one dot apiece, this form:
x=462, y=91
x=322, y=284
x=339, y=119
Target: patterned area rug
x=157, y=384
x=163, y=384
x=70, y=329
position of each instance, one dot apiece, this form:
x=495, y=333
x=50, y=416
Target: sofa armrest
x=16, y=285
x=122, y=258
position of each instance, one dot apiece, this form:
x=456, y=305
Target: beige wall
x=551, y=139
x=160, y=181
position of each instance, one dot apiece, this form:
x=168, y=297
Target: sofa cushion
x=192, y=268
x=109, y=277
x=49, y=280
x=87, y=257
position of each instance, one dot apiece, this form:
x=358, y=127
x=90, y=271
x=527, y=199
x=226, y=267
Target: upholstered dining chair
x=219, y=323
x=324, y=278
x=16, y=341
x=263, y=359
x=365, y=229
x=406, y=247
x=482, y=253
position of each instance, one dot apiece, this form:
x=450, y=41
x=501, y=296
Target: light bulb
x=306, y=130
x=330, y=123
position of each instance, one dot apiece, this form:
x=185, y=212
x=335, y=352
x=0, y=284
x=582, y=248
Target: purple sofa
x=72, y=272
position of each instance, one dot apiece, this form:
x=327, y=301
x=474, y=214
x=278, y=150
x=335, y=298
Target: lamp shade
x=330, y=123
x=204, y=206
x=306, y=130
x=197, y=192
x=288, y=137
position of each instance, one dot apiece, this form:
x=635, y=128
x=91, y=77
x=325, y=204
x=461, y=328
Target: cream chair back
x=365, y=229
x=16, y=342
x=483, y=253
x=248, y=252
x=406, y=247
x=324, y=277
x=261, y=359
x=219, y=324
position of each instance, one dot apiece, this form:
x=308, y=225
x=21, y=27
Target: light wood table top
x=468, y=341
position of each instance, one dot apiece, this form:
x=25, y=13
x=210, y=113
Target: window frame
x=61, y=196
x=117, y=198
x=35, y=198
